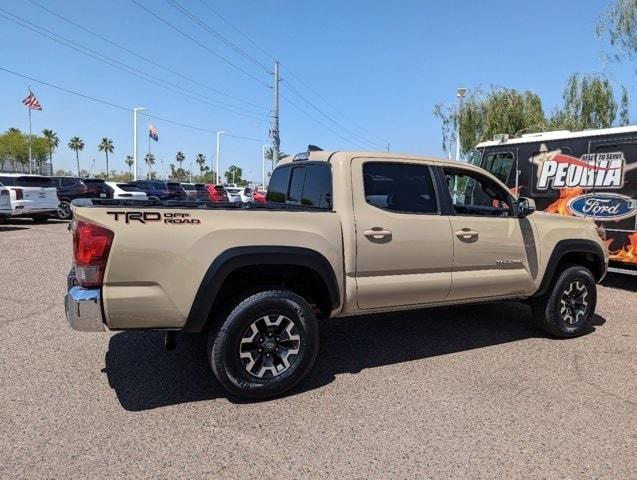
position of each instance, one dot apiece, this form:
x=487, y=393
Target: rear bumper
x=83, y=307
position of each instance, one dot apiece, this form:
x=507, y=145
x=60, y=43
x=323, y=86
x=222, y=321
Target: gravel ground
x=466, y=392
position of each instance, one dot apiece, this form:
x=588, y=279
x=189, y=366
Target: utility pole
x=135, y=110
x=217, y=158
x=274, y=131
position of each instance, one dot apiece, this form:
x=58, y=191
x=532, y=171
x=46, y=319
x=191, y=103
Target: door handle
x=378, y=234
x=467, y=234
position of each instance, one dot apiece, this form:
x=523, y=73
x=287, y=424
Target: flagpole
x=30, y=162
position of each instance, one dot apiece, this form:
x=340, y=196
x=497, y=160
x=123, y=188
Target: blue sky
x=381, y=66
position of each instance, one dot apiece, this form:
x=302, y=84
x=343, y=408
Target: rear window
x=220, y=188
x=309, y=185
x=27, y=181
x=158, y=185
x=187, y=186
x=128, y=187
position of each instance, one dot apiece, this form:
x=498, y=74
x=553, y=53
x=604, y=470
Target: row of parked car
x=39, y=197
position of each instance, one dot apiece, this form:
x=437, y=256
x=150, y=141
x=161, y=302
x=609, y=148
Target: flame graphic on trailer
x=589, y=174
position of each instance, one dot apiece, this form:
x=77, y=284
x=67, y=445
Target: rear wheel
x=42, y=218
x=566, y=310
x=64, y=210
x=266, y=345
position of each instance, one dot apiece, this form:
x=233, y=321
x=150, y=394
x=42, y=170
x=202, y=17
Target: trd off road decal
x=558, y=170
x=175, y=218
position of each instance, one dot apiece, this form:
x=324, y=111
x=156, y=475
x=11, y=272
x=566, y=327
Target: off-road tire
x=40, y=218
x=552, y=312
x=229, y=340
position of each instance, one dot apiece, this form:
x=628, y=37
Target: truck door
x=494, y=251
x=404, y=248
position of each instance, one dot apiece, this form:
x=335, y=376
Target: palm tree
x=180, y=157
x=269, y=154
x=106, y=146
x=129, y=161
x=52, y=141
x=76, y=144
x=200, y=159
x=150, y=161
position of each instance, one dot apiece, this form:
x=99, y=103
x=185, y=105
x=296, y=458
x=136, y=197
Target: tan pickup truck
x=342, y=233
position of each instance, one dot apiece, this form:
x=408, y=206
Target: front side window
x=474, y=194
x=499, y=164
x=399, y=187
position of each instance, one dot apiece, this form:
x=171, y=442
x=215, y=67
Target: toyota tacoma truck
x=341, y=234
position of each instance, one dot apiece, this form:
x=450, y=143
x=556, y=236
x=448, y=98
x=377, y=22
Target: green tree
x=39, y=151
x=14, y=148
x=233, y=174
x=588, y=103
x=624, y=116
x=486, y=114
x=77, y=144
x=149, y=159
x=129, y=162
x=619, y=24
x=269, y=154
x=106, y=146
x=52, y=141
x=180, y=157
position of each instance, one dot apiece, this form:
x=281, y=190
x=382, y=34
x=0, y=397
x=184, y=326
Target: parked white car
x=24, y=195
x=126, y=191
x=238, y=194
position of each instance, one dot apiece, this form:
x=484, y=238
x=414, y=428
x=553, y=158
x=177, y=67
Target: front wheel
x=567, y=309
x=266, y=345
x=64, y=210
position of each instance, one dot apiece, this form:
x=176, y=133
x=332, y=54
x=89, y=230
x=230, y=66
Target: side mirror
x=526, y=206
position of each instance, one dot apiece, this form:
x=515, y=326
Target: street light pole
x=461, y=92
x=135, y=110
x=219, y=133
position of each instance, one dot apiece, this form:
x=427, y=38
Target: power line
x=298, y=78
x=109, y=103
x=236, y=29
x=216, y=34
x=313, y=106
x=197, y=42
x=124, y=67
x=142, y=57
x=335, y=132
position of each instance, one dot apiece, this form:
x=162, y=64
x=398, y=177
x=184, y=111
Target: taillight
x=91, y=246
x=19, y=193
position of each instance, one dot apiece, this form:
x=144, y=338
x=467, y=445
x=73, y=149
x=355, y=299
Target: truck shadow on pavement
x=144, y=376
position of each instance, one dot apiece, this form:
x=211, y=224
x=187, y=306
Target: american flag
x=32, y=102
x=152, y=132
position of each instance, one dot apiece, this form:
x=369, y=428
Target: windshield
x=499, y=164
x=474, y=156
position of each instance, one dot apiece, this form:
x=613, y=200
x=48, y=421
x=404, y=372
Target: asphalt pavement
x=465, y=392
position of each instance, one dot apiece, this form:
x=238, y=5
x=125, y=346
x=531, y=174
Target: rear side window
x=399, y=187
x=6, y=181
x=128, y=187
x=309, y=185
x=278, y=187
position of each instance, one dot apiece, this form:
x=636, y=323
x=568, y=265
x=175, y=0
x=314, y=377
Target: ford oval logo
x=603, y=206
